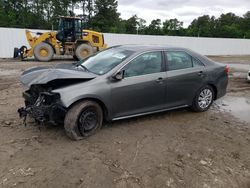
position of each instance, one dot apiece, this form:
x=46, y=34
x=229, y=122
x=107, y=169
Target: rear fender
x=220, y=81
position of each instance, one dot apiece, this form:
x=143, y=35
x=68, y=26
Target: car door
x=143, y=87
x=185, y=75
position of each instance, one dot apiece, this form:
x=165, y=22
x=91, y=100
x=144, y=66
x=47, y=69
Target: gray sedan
x=121, y=82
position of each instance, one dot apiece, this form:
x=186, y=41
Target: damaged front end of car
x=41, y=102
x=42, y=105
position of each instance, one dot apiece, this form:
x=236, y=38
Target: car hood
x=44, y=75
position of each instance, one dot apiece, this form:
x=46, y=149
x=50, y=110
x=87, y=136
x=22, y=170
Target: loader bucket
x=20, y=52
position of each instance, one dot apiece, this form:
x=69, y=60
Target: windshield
x=106, y=60
x=60, y=26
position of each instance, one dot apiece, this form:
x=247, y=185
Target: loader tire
x=43, y=52
x=83, y=50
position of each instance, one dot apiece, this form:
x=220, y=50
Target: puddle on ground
x=237, y=106
x=245, y=67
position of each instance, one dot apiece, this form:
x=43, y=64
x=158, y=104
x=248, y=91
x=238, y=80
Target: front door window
x=147, y=63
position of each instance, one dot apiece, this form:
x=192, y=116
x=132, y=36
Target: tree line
x=102, y=15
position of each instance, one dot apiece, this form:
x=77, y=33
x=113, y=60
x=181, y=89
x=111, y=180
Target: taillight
x=227, y=70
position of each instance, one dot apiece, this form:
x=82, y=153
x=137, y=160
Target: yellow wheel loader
x=71, y=39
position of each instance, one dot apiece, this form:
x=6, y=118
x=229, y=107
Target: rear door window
x=197, y=63
x=177, y=60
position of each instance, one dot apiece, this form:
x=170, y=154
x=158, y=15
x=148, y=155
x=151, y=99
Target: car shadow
x=58, y=130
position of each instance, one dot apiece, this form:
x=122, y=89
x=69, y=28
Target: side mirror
x=119, y=75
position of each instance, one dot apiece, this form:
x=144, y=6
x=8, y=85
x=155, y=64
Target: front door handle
x=159, y=80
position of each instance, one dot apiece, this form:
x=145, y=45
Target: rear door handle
x=159, y=80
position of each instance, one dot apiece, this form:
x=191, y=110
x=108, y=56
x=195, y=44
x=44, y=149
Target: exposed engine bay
x=41, y=102
x=43, y=105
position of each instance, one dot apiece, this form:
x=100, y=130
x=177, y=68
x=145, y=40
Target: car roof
x=138, y=48
x=144, y=47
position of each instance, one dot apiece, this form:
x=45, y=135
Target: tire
x=78, y=123
x=43, y=52
x=16, y=52
x=83, y=50
x=22, y=50
x=200, y=103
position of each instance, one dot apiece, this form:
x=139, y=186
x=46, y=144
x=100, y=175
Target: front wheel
x=203, y=99
x=83, y=119
x=43, y=52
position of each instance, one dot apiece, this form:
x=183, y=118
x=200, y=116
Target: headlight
x=49, y=97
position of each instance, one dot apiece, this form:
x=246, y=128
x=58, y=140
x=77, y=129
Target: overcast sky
x=183, y=10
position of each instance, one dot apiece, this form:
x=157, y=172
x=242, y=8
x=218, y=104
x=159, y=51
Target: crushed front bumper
x=46, y=108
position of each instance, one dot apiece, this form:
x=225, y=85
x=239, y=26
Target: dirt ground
x=173, y=149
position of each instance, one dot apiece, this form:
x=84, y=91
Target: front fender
x=99, y=92
x=68, y=103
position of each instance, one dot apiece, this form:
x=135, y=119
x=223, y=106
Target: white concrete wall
x=12, y=37
x=205, y=46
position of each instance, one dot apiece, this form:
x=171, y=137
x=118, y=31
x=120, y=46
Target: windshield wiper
x=85, y=68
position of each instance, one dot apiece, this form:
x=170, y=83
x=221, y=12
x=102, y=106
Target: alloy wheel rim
x=205, y=98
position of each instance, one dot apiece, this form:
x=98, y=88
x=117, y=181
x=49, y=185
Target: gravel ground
x=173, y=149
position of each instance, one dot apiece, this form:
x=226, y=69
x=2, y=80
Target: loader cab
x=69, y=29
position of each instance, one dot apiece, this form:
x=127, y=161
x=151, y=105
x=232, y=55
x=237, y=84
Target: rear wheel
x=83, y=50
x=83, y=119
x=43, y=52
x=203, y=99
